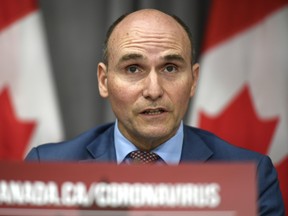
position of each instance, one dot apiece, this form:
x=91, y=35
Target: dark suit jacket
x=97, y=145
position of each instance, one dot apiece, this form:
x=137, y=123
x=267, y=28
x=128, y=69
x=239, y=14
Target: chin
x=157, y=133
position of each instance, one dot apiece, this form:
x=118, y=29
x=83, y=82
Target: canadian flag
x=28, y=108
x=242, y=94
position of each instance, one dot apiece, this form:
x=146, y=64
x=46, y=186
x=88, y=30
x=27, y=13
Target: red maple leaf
x=14, y=133
x=240, y=125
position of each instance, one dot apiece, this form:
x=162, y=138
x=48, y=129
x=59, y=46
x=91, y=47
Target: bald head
x=148, y=21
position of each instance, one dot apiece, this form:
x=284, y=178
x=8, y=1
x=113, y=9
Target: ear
x=102, y=80
x=195, y=74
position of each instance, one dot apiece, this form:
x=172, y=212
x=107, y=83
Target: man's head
x=149, y=76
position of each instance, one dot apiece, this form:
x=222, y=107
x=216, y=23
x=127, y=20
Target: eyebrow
x=174, y=57
x=136, y=56
x=131, y=56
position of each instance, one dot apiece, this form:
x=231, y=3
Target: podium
x=86, y=189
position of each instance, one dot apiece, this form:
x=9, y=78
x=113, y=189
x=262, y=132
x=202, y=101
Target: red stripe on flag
x=224, y=21
x=283, y=177
x=12, y=10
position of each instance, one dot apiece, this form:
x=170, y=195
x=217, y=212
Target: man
x=148, y=76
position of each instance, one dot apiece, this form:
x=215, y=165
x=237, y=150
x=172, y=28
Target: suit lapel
x=102, y=148
x=194, y=148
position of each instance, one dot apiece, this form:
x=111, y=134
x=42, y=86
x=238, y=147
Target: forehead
x=150, y=30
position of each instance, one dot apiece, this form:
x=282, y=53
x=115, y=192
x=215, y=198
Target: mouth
x=156, y=111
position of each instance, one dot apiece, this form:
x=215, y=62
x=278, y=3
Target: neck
x=145, y=143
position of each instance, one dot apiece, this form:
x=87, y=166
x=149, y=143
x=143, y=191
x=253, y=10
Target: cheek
x=181, y=94
x=121, y=95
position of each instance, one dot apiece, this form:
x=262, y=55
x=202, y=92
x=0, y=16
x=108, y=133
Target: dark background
x=75, y=32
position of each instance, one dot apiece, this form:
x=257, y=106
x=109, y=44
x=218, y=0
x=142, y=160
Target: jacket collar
x=102, y=148
x=194, y=148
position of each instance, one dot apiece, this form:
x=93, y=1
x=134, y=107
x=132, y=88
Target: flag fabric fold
x=242, y=93
x=29, y=114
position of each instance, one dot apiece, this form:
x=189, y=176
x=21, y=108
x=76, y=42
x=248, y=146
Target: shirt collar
x=170, y=151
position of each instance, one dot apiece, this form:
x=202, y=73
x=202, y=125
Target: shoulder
x=222, y=150
x=74, y=149
x=270, y=201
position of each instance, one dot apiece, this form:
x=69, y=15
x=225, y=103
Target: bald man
x=148, y=75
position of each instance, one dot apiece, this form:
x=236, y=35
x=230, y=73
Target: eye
x=170, y=68
x=132, y=69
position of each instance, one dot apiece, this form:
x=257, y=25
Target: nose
x=152, y=86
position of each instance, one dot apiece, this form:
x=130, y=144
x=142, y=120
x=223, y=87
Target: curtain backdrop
x=75, y=32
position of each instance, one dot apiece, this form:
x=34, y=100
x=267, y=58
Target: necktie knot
x=144, y=157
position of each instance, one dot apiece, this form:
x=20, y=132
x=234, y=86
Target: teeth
x=153, y=112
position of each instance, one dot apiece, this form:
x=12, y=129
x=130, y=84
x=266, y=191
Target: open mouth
x=153, y=111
